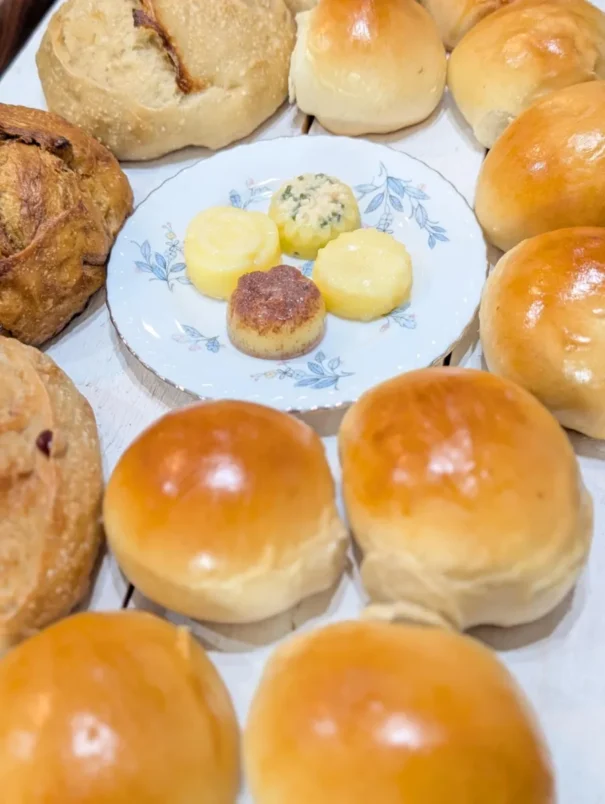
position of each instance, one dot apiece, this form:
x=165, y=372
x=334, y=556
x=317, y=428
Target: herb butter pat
x=310, y=211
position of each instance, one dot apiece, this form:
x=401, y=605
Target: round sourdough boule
x=360, y=712
x=466, y=499
x=367, y=67
x=542, y=323
x=276, y=315
x=150, y=76
x=547, y=170
x=115, y=709
x=523, y=52
x=63, y=200
x=51, y=486
x=225, y=511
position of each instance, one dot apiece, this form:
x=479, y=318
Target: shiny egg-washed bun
x=118, y=708
x=466, y=499
x=367, y=66
x=547, y=170
x=542, y=323
x=225, y=511
x=363, y=712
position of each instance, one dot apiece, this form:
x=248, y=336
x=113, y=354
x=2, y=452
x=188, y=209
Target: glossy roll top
x=465, y=497
x=522, y=52
x=542, y=323
x=225, y=511
x=360, y=712
x=455, y=17
x=547, y=171
x=367, y=66
x=115, y=709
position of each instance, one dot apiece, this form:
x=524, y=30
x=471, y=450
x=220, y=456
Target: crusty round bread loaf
x=455, y=17
x=225, y=511
x=360, y=712
x=150, y=76
x=50, y=493
x=118, y=708
x=466, y=499
x=63, y=199
x=542, y=323
x=367, y=66
x=523, y=52
x=547, y=170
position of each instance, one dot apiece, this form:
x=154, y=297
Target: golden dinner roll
x=455, y=17
x=225, y=511
x=150, y=76
x=547, y=170
x=51, y=487
x=367, y=66
x=118, y=708
x=523, y=52
x=542, y=323
x=360, y=712
x=465, y=497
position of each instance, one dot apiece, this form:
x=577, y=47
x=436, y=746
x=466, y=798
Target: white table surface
x=559, y=661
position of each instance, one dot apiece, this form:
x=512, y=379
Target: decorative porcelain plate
x=182, y=336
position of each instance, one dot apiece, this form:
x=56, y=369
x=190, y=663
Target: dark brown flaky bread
x=150, y=76
x=63, y=200
x=50, y=492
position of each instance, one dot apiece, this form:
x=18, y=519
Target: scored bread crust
x=50, y=492
x=147, y=77
x=63, y=201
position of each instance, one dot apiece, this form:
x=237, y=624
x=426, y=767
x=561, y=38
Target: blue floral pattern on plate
x=317, y=374
x=390, y=195
x=196, y=340
x=168, y=266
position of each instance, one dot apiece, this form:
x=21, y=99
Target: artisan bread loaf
x=50, y=492
x=523, y=52
x=63, y=199
x=367, y=66
x=147, y=77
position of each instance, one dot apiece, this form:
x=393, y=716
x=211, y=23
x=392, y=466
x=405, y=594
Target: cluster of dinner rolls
x=148, y=77
x=360, y=712
x=465, y=497
x=50, y=494
x=115, y=708
x=521, y=53
x=542, y=323
x=225, y=511
x=547, y=170
x=367, y=66
x=63, y=199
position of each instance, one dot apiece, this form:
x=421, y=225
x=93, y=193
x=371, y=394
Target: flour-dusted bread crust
x=63, y=200
x=154, y=76
x=50, y=492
